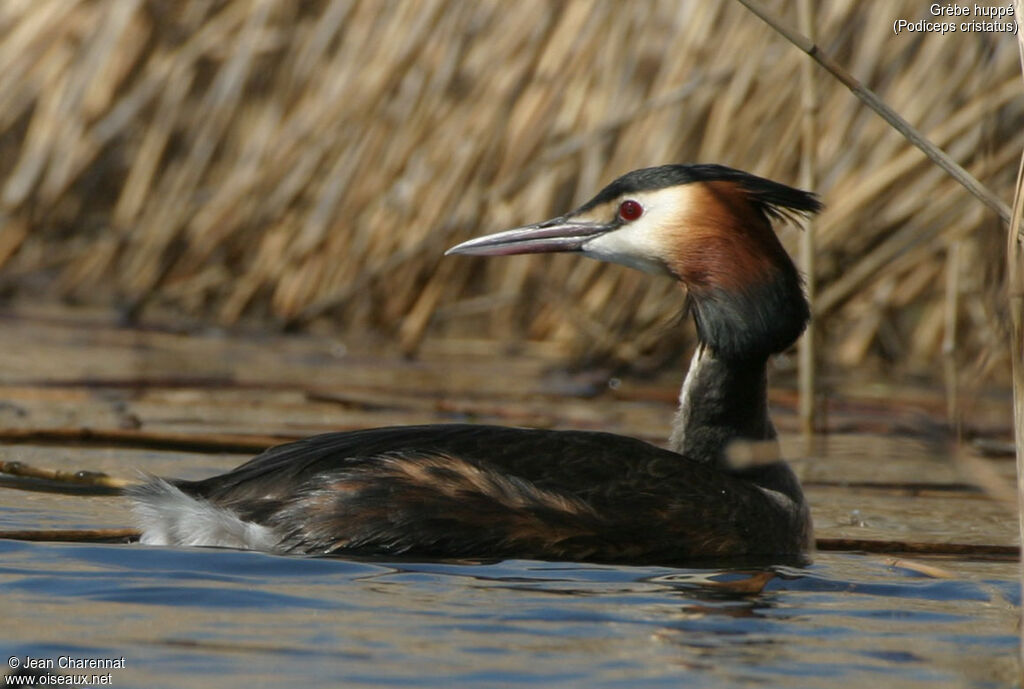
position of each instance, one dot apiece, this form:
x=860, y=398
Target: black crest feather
x=776, y=201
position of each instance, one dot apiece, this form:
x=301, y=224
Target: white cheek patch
x=629, y=246
x=641, y=244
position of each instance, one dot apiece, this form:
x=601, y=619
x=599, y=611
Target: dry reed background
x=307, y=163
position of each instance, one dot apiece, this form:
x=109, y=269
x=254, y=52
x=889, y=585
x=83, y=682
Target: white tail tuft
x=167, y=516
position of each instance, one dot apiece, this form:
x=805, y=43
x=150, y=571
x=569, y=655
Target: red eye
x=630, y=210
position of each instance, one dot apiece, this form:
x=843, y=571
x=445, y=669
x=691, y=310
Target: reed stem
x=1015, y=301
x=808, y=180
x=871, y=99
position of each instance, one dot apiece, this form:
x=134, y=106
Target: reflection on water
x=203, y=616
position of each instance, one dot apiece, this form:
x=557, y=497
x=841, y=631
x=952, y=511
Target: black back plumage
x=472, y=491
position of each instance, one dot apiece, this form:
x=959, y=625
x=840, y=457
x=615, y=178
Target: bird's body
x=487, y=491
x=482, y=491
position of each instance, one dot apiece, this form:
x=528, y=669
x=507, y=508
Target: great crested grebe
x=488, y=491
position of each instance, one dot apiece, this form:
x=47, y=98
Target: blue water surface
x=208, y=617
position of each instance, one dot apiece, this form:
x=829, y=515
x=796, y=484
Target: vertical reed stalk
x=1015, y=297
x=1015, y=285
x=887, y=113
x=952, y=309
x=808, y=161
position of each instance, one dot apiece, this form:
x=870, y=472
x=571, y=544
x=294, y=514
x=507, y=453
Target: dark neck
x=721, y=401
x=752, y=322
x=725, y=392
x=724, y=396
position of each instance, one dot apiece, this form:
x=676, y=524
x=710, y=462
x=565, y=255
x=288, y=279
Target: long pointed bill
x=557, y=234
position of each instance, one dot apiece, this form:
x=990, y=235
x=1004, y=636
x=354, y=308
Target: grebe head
x=708, y=226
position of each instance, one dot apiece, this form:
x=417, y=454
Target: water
x=207, y=617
